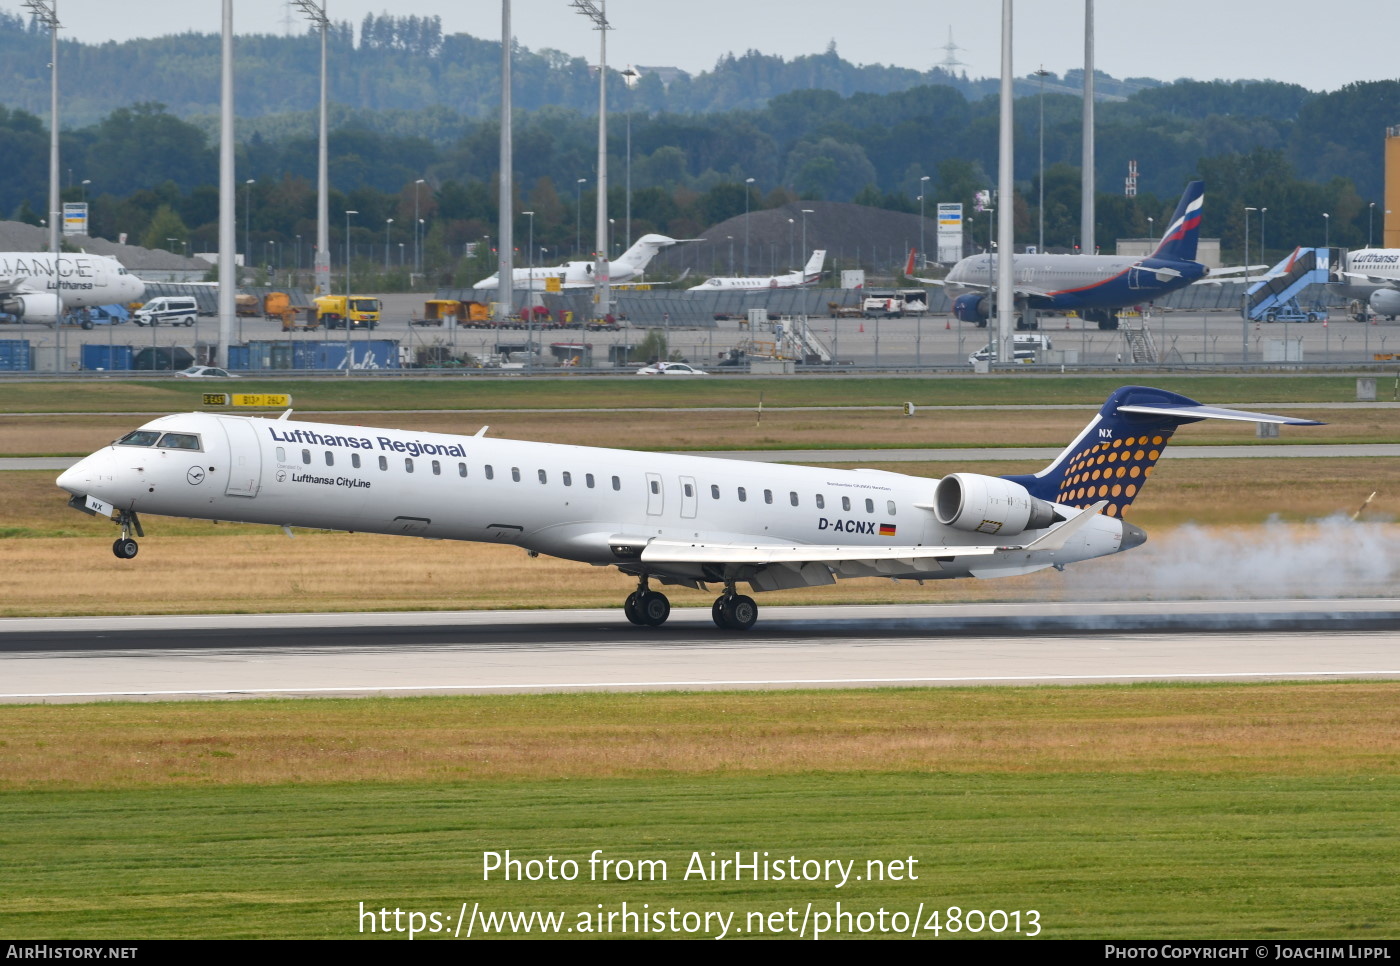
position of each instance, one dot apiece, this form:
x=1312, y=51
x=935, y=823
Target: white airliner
x=1372, y=274
x=811, y=273
x=626, y=267
x=38, y=286
x=674, y=519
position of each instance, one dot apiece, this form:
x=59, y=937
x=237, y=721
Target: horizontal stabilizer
x=1056, y=537
x=1214, y=412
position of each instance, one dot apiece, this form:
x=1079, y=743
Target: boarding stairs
x=1141, y=348
x=1277, y=293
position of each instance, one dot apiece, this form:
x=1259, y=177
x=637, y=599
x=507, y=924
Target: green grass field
x=1200, y=811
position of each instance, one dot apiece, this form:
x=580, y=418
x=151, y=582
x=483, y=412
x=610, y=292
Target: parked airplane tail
x=1179, y=240
x=1114, y=455
x=641, y=253
x=813, y=271
x=909, y=265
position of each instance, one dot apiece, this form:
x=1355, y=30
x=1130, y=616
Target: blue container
x=106, y=357
x=373, y=354
x=14, y=355
x=238, y=357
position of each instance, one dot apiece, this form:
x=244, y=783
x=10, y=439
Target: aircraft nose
x=1132, y=537
x=74, y=479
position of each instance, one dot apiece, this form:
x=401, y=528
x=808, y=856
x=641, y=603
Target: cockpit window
x=180, y=441
x=141, y=437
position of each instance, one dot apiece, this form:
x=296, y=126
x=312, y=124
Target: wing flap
x=668, y=551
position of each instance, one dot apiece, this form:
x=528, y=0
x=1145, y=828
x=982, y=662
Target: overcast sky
x=1203, y=39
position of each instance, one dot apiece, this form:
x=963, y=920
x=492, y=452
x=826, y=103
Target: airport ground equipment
x=1275, y=297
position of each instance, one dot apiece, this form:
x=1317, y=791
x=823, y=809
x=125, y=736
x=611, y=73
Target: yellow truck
x=361, y=310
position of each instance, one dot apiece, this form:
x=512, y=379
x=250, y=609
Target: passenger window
x=383, y=462
x=355, y=460
x=846, y=503
x=617, y=483
x=330, y=458
x=655, y=486
x=568, y=478
x=515, y=473
x=767, y=496
x=588, y=478
x=743, y=495
x=408, y=464
x=689, y=490
x=490, y=473
x=281, y=454
x=869, y=506
x=889, y=505
x=821, y=502
x=145, y=437
x=437, y=468
x=306, y=456
x=462, y=470
x=792, y=497
x=714, y=491
x=544, y=478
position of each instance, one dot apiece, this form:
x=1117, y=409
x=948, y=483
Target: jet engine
x=1386, y=301
x=972, y=308
x=33, y=306
x=988, y=504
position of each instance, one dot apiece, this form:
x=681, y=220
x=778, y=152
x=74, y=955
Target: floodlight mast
x=505, y=228
x=321, y=264
x=46, y=12
x=602, y=288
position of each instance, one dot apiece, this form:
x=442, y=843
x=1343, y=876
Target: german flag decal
x=887, y=529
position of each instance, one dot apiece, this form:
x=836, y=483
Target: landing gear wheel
x=652, y=608
x=736, y=613
x=124, y=548
x=629, y=608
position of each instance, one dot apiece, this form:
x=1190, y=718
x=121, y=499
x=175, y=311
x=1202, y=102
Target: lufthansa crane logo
x=195, y=475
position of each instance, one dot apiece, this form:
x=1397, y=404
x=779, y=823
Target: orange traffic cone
x=862, y=327
x=948, y=323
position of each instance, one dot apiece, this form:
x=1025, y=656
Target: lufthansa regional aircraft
x=812, y=272
x=626, y=267
x=672, y=519
x=1095, y=286
x=1372, y=274
x=38, y=286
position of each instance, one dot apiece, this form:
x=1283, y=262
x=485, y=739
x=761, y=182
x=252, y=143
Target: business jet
x=812, y=272
x=1372, y=274
x=39, y=286
x=626, y=267
x=674, y=519
x=1095, y=286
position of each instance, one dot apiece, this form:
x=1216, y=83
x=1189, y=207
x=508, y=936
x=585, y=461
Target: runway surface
x=193, y=657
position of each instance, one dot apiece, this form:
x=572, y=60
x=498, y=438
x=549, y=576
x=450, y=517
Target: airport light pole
x=1370, y=221
x=1040, y=205
x=747, y=183
x=801, y=266
x=46, y=12
x=923, y=192
x=792, y=241
x=1244, y=309
x=1326, y=229
x=731, y=254
x=578, y=217
x=1263, y=252
x=1151, y=228
x=530, y=296
x=228, y=192
x=321, y=262
x=602, y=289
x=345, y=319
x=248, y=219
x=298, y=258
x=88, y=181
x=388, y=224
x=417, y=231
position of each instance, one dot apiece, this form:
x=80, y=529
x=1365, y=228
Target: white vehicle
x=677, y=519
x=167, y=310
x=671, y=369
x=205, y=372
x=626, y=267
x=1027, y=347
x=38, y=286
x=812, y=272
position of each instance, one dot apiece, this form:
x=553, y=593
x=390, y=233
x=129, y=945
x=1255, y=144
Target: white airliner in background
x=1372, y=274
x=626, y=267
x=811, y=273
x=38, y=286
x=674, y=519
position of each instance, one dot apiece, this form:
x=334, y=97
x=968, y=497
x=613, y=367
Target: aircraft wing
x=1374, y=279
x=1022, y=291
x=13, y=283
x=840, y=556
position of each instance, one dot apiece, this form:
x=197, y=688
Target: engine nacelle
x=33, y=306
x=988, y=504
x=971, y=308
x=1386, y=301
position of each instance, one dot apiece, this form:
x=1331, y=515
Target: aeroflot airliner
x=673, y=519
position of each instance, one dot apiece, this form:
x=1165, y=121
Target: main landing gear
x=124, y=547
x=732, y=611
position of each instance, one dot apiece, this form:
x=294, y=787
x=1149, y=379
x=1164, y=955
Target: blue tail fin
x=1114, y=455
x=1179, y=240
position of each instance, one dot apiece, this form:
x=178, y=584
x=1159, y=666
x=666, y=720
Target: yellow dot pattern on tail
x=1112, y=471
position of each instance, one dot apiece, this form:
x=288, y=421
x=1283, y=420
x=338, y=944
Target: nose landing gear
x=124, y=547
